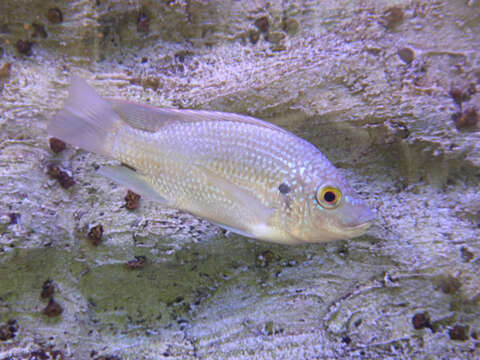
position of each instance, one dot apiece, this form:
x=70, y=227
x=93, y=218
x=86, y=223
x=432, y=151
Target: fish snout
x=357, y=214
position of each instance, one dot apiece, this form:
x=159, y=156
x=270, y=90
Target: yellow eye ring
x=328, y=197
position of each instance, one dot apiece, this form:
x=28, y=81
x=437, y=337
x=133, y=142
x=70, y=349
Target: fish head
x=329, y=209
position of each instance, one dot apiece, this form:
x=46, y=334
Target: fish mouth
x=359, y=229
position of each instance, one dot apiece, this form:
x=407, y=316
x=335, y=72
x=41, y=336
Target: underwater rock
x=337, y=79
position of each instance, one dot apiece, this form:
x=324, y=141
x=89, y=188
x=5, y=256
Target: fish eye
x=328, y=197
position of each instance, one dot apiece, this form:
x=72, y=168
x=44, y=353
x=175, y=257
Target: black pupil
x=329, y=197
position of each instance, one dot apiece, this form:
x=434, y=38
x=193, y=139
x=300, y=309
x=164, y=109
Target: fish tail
x=86, y=119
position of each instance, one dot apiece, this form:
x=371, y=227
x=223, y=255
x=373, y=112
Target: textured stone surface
x=330, y=71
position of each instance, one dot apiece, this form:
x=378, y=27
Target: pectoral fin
x=258, y=213
x=132, y=180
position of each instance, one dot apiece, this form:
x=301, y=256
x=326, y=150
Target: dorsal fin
x=149, y=118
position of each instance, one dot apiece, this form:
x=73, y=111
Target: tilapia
x=241, y=173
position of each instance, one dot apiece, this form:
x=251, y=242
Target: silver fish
x=246, y=175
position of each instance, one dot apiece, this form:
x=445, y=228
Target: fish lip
x=360, y=229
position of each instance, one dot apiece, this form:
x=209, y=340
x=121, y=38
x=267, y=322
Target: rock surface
x=386, y=91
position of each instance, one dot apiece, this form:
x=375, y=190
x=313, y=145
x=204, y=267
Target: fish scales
x=255, y=160
x=249, y=176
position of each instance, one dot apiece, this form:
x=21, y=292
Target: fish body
x=244, y=174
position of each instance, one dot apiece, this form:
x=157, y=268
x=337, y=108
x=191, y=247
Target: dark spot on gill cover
x=284, y=188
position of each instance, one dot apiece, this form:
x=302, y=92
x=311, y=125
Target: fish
x=246, y=175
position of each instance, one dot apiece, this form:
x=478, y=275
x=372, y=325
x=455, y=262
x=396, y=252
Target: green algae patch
x=22, y=275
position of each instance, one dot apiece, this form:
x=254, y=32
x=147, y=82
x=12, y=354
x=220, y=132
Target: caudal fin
x=86, y=119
